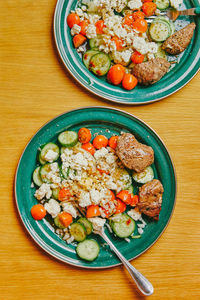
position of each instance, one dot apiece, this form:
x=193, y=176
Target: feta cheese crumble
x=52, y=207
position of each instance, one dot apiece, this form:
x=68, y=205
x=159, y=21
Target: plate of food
x=128, y=51
x=92, y=168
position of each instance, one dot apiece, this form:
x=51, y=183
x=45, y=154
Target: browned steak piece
x=151, y=71
x=150, y=198
x=179, y=41
x=134, y=155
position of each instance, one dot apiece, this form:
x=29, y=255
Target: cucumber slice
x=58, y=223
x=88, y=250
x=68, y=138
x=169, y=22
x=55, y=193
x=144, y=176
x=55, y=151
x=162, y=4
x=78, y=231
x=124, y=226
x=36, y=177
x=94, y=42
x=44, y=170
x=159, y=30
x=87, y=56
x=87, y=224
x=123, y=176
x=160, y=53
x=99, y=64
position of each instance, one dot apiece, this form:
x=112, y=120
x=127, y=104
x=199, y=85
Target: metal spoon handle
x=142, y=282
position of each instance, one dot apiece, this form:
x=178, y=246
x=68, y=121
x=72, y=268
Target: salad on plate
x=86, y=182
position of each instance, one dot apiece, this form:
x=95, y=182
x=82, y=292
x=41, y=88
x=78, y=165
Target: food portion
x=150, y=198
x=151, y=71
x=134, y=155
x=116, y=39
x=179, y=41
x=86, y=182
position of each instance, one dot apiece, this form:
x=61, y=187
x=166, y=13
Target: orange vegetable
x=93, y=211
x=127, y=20
x=137, y=57
x=138, y=14
x=129, y=81
x=89, y=147
x=79, y=40
x=134, y=200
x=99, y=26
x=125, y=196
x=72, y=19
x=64, y=194
x=120, y=207
x=112, y=195
x=118, y=43
x=65, y=218
x=149, y=8
x=84, y=24
x=84, y=135
x=100, y=141
x=38, y=212
x=140, y=24
x=103, y=171
x=116, y=74
x=112, y=142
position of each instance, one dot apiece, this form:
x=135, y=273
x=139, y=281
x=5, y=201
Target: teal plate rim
x=178, y=77
x=41, y=231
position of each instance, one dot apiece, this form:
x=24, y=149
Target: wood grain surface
x=35, y=87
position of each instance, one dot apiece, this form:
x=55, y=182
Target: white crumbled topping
x=134, y=4
x=69, y=208
x=122, y=56
x=79, y=12
x=54, y=175
x=150, y=56
x=95, y=196
x=52, y=207
x=135, y=215
x=43, y=191
x=70, y=240
x=51, y=155
x=80, y=49
x=176, y=3
x=116, y=218
x=84, y=199
x=97, y=222
x=91, y=31
x=100, y=153
x=140, y=230
x=76, y=29
x=144, y=47
x=127, y=240
x=111, y=185
x=32, y=185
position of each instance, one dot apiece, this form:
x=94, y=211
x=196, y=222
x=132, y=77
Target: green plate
x=180, y=73
x=106, y=121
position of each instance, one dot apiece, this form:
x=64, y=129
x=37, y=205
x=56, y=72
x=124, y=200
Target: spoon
x=142, y=283
x=173, y=14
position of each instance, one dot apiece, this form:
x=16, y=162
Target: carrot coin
x=89, y=147
x=116, y=74
x=84, y=135
x=129, y=81
x=100, y=141
x=38, y=212
x=72, y=19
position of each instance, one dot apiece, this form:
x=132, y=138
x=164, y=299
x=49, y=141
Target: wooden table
x=35, y=87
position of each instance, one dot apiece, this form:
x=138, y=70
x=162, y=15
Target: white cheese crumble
x=97, y=222
x=134, y=4
x=91, y=31
x=176, y=3
x=51, y=155
x=52, y=207
x=43, y=191
x=84, y=199
x=100, y=153
x=69, y=208
x=76, y=29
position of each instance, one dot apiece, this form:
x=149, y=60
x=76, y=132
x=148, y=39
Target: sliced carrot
x=65, y=218
x=84, y=135
x=64, y=194
x=38, y=212
x=100, y=141
x=89, y=147
x=120, y=207
x=93, y=211
x=112, y=142
x=79, y=40
x=72, y=19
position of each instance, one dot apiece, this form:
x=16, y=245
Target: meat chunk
x=179, y=41
x=150, y=198
x=134, y=155
x=151, y=71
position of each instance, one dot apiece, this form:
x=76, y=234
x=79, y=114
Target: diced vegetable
x=87, y=224
x=65, y=219
x=78, y=231
x=93, y=211
x=88, y=250
x=137, y=57
x=120, y=207
x=55, y=193
x=64, y=194
x=79, y=40
x=89, y=147
x=149, y=8
x=99, y=64
x=123, y=226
